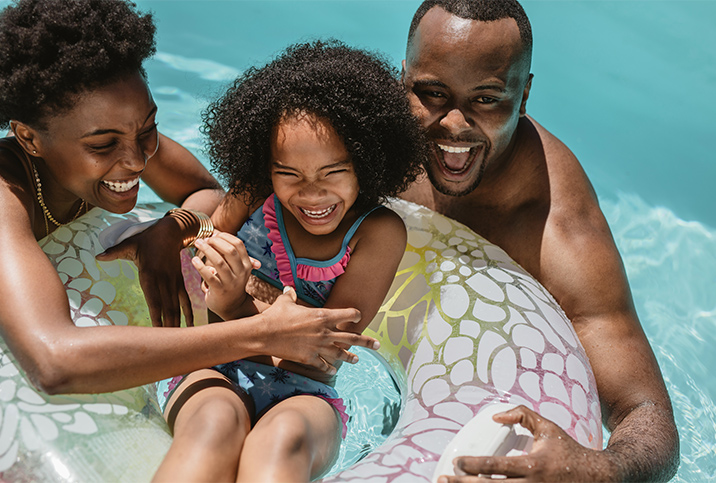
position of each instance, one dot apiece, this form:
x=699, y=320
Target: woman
x=74, y=94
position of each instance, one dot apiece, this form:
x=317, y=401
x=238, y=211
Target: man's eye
x=335, y=171
x=484, y=100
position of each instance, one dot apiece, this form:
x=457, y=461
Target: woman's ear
x=26, y=137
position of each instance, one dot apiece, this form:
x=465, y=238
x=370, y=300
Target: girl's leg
x=210, y=420
x=295, y=440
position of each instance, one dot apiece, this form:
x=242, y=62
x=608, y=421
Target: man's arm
x=581, y=267
x=584, y=272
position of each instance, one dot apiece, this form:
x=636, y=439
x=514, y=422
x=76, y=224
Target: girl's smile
x=312, y=173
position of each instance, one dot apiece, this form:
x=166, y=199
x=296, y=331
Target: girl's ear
x=26, y=136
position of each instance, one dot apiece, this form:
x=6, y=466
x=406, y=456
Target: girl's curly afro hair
x=52, y=50
x=357, y=92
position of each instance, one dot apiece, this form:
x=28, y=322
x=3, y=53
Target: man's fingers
x=510, y=466
x=523, y=416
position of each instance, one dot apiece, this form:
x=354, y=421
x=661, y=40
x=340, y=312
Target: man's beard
x=443, y=186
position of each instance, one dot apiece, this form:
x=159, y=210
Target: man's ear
x=525, y=96
x=402, y=72
x=26, y=137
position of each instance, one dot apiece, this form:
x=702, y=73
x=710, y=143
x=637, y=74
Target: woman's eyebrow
x=98, y=132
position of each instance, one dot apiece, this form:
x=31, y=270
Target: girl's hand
x=155, y=252
x=225, y=267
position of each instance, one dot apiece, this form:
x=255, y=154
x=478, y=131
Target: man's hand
x=555, y=456
x=155, y=252
x=311, y=336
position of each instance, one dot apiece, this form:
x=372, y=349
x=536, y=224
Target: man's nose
x=455, y=122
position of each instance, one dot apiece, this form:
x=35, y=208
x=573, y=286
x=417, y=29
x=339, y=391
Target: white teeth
x=121, y=186
x=318, y=214
x=453, y=149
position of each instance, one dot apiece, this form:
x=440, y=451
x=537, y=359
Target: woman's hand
x=155, y=252
x=311, y=336
x=225, y=267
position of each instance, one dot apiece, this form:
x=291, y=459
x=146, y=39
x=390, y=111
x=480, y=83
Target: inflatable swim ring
x=464, y=329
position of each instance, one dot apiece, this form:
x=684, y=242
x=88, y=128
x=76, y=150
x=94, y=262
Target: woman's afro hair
x=52, y=50
x=357, y=92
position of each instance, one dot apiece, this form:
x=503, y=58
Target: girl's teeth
x=453, y=149
x=318, y=214
x=121, y=186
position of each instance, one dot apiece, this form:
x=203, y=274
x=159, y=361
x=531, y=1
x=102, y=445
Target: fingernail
x=376, y=345
x=332, y=371
x=354, y=360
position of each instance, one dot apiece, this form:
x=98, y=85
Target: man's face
x=468, y=82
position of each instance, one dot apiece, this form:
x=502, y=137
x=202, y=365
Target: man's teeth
x=318, y=214
x=121, y=186
x=453, y=149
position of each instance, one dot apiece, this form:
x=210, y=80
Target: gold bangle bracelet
x=191, y=218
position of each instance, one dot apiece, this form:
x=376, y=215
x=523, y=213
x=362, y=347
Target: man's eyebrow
x=98, y=132
x=489, y=87
x=429, y=83
x=437, y=83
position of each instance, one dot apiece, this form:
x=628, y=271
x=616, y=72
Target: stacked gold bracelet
x=190, y=218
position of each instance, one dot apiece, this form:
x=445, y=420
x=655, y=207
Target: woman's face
x=98, y=149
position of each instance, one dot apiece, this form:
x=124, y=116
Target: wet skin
x=522, y=189
x=468, y=84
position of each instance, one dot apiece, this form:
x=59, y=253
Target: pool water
x=627, y=85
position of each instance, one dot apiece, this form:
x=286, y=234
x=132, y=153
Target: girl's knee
x=213, y=419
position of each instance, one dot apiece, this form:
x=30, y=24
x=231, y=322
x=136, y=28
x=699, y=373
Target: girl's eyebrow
x=278, y=165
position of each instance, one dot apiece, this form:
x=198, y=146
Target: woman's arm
x=59, y=357
x=179, y=178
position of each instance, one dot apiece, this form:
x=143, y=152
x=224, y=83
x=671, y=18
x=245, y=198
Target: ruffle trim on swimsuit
x=283, y=263
x=320, y=274
x=309, y=273
x=340, y=408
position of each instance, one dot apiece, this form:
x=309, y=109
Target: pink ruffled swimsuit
x=264, y=235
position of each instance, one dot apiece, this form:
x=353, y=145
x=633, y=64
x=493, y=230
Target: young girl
x=311, y=144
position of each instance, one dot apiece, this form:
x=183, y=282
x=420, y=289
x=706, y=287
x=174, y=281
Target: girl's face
x=99, y=148
x=312, y=173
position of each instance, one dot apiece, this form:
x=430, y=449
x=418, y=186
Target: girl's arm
x=379, y=247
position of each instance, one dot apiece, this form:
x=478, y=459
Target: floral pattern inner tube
x=462, y=328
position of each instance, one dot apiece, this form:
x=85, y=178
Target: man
x=493, y=168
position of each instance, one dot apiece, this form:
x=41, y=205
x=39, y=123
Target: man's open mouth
x=456, y=160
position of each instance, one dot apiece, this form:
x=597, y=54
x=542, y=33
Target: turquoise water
x=627, y=85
